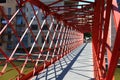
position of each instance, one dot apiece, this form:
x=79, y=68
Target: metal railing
x=25, y=62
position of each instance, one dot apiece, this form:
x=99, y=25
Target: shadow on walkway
x=58, y=70
x=64, y=72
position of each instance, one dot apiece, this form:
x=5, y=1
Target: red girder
x=65, y=26
x=73, y=17
x=102, y=41
x=28, y=54
x=58, y=1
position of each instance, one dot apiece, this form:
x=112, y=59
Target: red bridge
x=39, y=36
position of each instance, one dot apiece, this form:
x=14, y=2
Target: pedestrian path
x=77, y=65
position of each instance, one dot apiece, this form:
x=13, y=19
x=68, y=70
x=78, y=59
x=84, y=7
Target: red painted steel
x=58, y=40
x=61, y=30
x=102, y=36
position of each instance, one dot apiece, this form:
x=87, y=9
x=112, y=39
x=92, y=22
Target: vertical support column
x=96, y=35
x=100, y=29
x=116, y=49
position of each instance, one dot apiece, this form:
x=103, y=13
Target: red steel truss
x=102, y=46
x=61, y=30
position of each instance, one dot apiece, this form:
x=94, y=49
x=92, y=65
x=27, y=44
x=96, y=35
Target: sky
x=86, y=0
x=90, y=0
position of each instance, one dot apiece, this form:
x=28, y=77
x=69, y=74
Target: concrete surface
x=77, y=65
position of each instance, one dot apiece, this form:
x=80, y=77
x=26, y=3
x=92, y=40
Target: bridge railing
x=32, y=39
x=106, y=36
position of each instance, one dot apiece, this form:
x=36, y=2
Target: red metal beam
x=95, y=41
x=63, y=47
x=116, y=49
x=106, y=27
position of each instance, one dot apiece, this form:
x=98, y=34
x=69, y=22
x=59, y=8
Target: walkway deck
x=77, y=65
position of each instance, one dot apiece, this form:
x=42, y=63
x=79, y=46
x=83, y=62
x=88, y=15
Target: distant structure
x=8, y=40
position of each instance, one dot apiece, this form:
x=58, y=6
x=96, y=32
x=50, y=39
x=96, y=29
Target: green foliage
x=117, y=74
x=11, y=72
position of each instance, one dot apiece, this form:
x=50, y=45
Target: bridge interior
x=37, y=36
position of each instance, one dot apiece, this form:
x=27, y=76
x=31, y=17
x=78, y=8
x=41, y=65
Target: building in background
x=6, y=40
x=9, y=41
